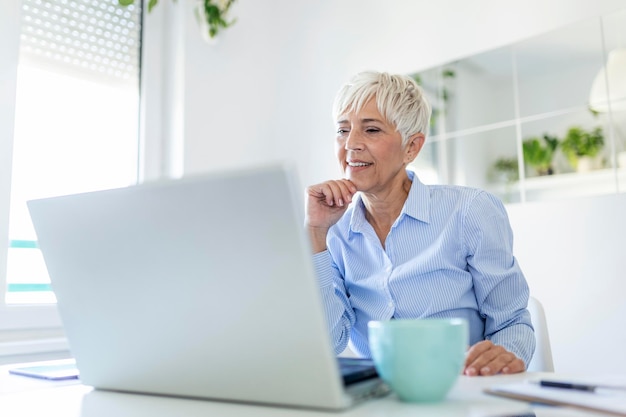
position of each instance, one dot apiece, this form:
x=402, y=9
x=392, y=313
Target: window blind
x=94, y=39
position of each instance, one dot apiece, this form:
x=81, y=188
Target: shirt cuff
x=322, y=263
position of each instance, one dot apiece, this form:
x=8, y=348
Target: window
x=76, y=124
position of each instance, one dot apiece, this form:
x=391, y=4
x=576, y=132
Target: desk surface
x=30, y=397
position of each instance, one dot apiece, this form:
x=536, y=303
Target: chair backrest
x=542, y=359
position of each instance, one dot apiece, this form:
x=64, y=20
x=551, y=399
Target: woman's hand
x=326, y=203
x=485, y=358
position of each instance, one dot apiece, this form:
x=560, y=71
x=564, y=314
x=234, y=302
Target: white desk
x=21, y=397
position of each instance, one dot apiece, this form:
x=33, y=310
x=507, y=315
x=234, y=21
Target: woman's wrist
x=318, y=238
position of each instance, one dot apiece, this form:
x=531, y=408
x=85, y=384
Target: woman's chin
x=358, y=184
x=355, y=178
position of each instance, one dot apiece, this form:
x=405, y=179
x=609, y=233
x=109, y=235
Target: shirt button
x=390, y=304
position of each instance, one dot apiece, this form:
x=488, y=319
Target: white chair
x=542, y=359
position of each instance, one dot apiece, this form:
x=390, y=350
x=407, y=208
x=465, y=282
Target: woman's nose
x=354, y=141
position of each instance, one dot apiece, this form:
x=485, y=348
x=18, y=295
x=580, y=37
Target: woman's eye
x=372, y=130
x=342, y=131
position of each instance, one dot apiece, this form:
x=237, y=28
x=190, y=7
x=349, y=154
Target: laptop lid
x=200, y=287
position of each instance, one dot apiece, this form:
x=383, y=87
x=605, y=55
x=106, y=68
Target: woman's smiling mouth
x=358, y=164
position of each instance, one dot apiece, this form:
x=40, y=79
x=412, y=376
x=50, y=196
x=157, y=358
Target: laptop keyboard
x=356, y=369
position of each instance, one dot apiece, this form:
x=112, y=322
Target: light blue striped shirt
x=448, y=254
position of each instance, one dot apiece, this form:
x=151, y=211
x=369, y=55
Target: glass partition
x=541, y=119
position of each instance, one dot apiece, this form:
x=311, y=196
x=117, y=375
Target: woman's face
x=370, y=150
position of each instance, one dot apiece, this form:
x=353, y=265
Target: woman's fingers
x=334, y=192
x=327, y=201
x=485, y=358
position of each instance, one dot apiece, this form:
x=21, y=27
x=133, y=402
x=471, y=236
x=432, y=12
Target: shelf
x=574, y=184
x=576, y=179
x=490, y=103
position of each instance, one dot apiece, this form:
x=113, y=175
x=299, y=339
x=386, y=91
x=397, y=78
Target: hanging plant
x=210, y=13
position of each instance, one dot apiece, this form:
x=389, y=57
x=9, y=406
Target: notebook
x=606, y=400
x=200, y=287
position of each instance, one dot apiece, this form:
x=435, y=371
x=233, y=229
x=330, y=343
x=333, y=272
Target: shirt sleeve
x=340, y=316
x=499, y=284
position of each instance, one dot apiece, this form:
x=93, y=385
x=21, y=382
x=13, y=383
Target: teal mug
x=420, y=359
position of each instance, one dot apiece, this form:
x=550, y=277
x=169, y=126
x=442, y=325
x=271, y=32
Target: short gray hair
x=400, y=100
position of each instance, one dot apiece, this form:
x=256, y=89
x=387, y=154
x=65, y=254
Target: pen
x=568, y=385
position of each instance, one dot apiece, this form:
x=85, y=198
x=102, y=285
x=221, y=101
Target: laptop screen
x=187, y=287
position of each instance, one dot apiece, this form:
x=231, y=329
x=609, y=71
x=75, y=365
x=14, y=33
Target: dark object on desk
x=53, y=370
x=567, y=385
x=611, y=402
x=356, y=369
x=579, y=386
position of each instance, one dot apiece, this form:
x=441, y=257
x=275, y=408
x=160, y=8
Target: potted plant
x=211, y=14
x=581, y=147
x=539, y=152
x=505, y=170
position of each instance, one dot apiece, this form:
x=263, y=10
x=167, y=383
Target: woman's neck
x=382, y=209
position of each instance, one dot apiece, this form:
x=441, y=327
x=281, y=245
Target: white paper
x=607, y=400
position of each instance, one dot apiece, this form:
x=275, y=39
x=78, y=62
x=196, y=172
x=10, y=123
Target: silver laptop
x=201, y=287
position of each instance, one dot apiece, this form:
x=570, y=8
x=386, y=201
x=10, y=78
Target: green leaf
x=448, y=73
x=578, y=142
x=417, y=79
x=212, y=13
x=151, y=5
x=539, y=152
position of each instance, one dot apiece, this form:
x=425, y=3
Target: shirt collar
x=417, y=204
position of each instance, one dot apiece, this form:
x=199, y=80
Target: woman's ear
x=413, y=147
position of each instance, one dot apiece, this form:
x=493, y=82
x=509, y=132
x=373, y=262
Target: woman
x=387, y=246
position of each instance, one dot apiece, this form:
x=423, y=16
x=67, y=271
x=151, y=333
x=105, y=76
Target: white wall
x=264, y=92
x=9, y=43
x=265, y=89
x=572, y=253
